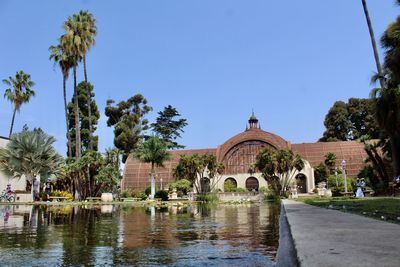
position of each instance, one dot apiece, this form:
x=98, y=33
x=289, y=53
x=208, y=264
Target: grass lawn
x=387, y=209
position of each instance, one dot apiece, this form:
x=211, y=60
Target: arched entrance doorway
x=230, y=184
x=252, y=183
x=301, y=182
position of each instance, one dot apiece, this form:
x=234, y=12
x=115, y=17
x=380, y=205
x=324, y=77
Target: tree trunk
x=90, y=187
x=66, y=116
x=12, y=122
x=77, y=126
x=372, y=36
x=88, y=104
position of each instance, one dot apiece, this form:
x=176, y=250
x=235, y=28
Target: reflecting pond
x=212, y=235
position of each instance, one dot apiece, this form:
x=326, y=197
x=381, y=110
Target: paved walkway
x=324, y=237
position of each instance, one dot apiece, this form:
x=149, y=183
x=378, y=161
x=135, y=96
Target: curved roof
x=351, y=151
x=250, y=135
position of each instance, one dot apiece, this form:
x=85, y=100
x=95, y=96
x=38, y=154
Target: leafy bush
x=182, y=186
x=66, y=194
x=126, y=193
x=229, y=186
x=147, y=191
x=161, y=194
x=263, y=189
x=241, y=190
x=207, y=197
x=340, y=188
x=271, y=197
x=140, y=195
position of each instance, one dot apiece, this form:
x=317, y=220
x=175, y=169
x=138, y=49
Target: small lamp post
x=337, y=184
x=343, y=164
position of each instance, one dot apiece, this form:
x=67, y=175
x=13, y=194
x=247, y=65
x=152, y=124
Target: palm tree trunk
x=371, y=34
x=66, y=116
x=77, y=126
x=88, y=104
x=12, y=122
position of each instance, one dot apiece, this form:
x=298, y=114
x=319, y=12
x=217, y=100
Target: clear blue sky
x=214, y=61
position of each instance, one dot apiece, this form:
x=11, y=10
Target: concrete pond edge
x=287, y=253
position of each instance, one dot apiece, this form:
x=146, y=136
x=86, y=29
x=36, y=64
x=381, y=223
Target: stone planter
x=106, y=197
x=328, y=193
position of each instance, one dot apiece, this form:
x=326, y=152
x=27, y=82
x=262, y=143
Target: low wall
x=23, y=197
x=235, y=196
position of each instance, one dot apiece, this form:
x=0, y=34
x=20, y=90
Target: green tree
x=58, y=55
x=362, y=118
x=278, y=167
x=127, y=117
x=337, y=123
x=169, y=128
x=203, y=171
x=92, y=174
x=84, y=124
x=320, y=173
x=330, y=161
x=350, y=121
x=19, y=91
x=29, y=154
x=153, y=151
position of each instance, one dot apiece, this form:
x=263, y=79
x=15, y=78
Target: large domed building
x=239, y=153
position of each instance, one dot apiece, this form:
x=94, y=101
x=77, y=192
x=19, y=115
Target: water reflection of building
x=16, y=216
x=16, y=184
x=145, y=227
x=238, y=154
x=254, y=226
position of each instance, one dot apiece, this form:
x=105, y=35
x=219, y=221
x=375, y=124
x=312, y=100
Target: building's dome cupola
x=253, y=122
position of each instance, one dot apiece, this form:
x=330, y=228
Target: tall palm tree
x=19, y=92
x=71, y=42
x=372, y=36
x=153, y=151
x=89, y=31
x=65, y=63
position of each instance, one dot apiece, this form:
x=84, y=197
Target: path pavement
x=326, y=238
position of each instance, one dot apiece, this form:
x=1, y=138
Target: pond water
x=196, y=235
